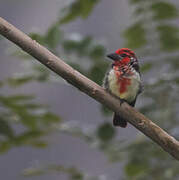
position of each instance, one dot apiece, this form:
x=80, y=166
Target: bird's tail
x=119, y=121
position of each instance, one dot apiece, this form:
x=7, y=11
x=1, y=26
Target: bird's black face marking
x=124, y=55
x=126, y=51
x=114, y=56
x=134, y=64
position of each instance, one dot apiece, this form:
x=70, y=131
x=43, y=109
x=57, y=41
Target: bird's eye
x=124, y=55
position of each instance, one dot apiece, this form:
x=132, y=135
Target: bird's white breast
x=131, y=90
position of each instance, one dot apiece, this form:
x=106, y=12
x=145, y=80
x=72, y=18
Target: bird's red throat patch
x=123, y=82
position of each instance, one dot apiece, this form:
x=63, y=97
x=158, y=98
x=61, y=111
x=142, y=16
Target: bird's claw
x=122, y=101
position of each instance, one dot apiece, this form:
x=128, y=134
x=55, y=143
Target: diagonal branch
x=145, y=125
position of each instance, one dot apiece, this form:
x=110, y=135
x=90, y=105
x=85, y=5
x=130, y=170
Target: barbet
x=123, y=80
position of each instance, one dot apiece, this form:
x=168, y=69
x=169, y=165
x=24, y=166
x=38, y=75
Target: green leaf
x=98, y=71
x=87, y=6
x=32, y=106
x=33, y=172
x=5, y=146
x=28, y=137
x=77, y=67
x=28, y=119
x=135, y=36
x=81, y=48
x=80, y=8
x=133, y=169
x=52, y=37
x=136, y=1
x=84, y=45
x=174, y=62
x=37, y=37
x=7, y=100
x=106, y=132
x=146, y=67
x=106, y=110
x=49, y=118
x=75, y=174
x=177, y=80
x=42, y=73
x=72, y=172
x=73, y=13
x=140, y=11
x=70, y=45
x=164, y=10
x=5, y=129
x=39, y=144
x=1, y=84
x=97, y=52
x=169, y=37
x=19, y=81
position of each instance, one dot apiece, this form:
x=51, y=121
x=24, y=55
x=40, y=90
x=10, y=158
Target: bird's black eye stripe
x=123, y=55
x=126, y=51
x=136, y=67
x=132, y=62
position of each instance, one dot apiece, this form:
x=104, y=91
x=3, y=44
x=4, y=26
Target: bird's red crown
x=125, y=52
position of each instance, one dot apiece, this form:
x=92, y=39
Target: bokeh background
x=50, y=130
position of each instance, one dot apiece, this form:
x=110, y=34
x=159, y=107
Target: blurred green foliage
x=135, y=36
x=34, y=119
x=78, y=8
x=72, y=172
x=169, y=37
x=163, y=10
x=157, y=41
x=106, y=132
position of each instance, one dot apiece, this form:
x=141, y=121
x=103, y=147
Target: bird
x=123, y=80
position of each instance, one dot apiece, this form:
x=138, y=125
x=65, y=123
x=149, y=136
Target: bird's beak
x=114, y=56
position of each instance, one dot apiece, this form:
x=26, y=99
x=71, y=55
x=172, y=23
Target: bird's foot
x=122, y=101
